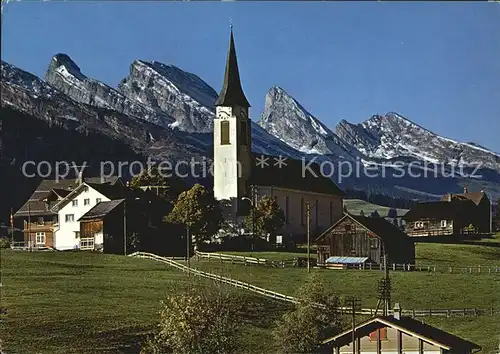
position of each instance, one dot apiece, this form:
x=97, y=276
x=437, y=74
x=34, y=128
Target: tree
x=198, y=321
x=198, y=210
x=496, y=218
x=375, y=214
x=269, y=217
x=171, y=187
x=392, y=213
x=362, y=213
x=313, y=319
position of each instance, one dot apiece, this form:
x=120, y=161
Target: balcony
x=40, y=226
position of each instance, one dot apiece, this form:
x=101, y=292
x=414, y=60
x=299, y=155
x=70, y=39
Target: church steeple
x=232, y=93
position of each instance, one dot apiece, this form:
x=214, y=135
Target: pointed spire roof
x=232, y=93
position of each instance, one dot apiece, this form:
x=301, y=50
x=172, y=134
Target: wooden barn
x=365, y=239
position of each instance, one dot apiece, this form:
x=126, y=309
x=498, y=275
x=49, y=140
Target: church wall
x=320, y=218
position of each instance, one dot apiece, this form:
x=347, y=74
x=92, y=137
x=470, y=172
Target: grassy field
x=484, y=252
x=94, y=303
x=355, y=206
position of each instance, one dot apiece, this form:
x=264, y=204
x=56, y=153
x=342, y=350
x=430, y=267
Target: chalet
x=36, y=217
x=359, y=239
x=453, y=215
x=397, y=334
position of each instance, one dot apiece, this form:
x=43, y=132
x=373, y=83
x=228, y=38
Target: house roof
x=34, y=206
x=232, y=92
x=409, y=326
x=101, y=210
x=475, y=197
x=442, y=210
x=382, y=228
x=290, y=176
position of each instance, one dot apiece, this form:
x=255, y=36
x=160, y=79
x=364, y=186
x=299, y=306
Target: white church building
x=239, y=177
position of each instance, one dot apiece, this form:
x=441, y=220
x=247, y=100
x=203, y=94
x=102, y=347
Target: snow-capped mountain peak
x=64, y=74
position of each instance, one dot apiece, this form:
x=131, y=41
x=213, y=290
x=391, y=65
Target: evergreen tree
x=375, y=214
x=362, y=213
x=496, y=218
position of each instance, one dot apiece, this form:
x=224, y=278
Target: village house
x=399, y=335
x=454, y=215
x=356, y=240
x=74, y=214
x=36, y=217
x=243, y=177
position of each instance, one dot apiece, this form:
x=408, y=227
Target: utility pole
x=29, y=225
x=253, y=203
x=187, y=250
x=354, y=304
x=11, y=227
x=308, y=217
x=124, y=227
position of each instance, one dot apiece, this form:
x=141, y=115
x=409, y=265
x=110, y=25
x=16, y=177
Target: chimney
x=397, y=311
x=465, y=189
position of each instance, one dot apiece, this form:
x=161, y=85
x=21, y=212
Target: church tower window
x=224, y=133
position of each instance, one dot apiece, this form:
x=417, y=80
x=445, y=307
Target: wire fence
x=281, y=297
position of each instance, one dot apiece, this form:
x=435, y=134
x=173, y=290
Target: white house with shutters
x=69, y=210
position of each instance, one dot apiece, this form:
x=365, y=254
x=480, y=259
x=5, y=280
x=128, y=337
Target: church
x=243, y=177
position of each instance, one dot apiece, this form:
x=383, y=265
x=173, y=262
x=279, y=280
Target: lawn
x=355, y=206
x=93, y=303
x=81, y=302
x=484, y=252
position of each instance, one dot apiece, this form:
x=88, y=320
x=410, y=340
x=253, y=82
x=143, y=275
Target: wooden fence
x=233, y=259
x=278, y=296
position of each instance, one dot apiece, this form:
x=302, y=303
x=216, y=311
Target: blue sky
x=438, y=64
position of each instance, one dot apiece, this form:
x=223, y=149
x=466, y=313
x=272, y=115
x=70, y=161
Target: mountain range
x=163, y=112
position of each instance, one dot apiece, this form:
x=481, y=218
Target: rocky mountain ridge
x=164, y=112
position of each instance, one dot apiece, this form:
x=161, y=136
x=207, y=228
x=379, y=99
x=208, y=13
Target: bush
x=4, y=242
x=198, y=321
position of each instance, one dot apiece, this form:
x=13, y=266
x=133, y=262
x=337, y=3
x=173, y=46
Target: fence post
x=451, y=269
x=479, y=269
x=393, y=266
x=434, y=269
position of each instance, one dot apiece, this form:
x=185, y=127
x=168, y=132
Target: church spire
x=232, y=93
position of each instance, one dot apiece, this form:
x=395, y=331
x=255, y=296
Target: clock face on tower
x=223, y=115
